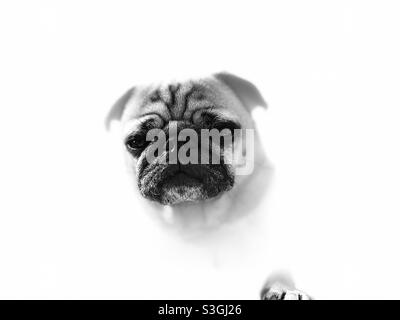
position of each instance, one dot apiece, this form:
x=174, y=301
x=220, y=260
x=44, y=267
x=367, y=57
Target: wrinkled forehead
x=180, y=100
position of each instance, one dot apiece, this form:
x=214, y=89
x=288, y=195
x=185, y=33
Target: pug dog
x=201, y=193
x=197, y=195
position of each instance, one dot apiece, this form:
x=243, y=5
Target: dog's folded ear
x=246, y=91
x=118, y=108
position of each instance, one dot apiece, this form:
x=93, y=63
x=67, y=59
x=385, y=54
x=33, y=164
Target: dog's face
x=222, y=102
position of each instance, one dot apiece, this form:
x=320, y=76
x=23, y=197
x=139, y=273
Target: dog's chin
x=175, y=184
x=182, y=188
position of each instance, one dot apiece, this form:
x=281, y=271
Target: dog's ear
x=247, y=92
x=118, y=108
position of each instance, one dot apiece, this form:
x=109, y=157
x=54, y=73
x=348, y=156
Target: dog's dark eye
x=136, y=143
x=220, y=125
x=216, y=122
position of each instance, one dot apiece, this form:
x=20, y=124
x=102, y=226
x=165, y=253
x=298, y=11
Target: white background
x=330, y=72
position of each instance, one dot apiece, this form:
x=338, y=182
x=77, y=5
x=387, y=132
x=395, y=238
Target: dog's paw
x=282, y=288
x=279, y=293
